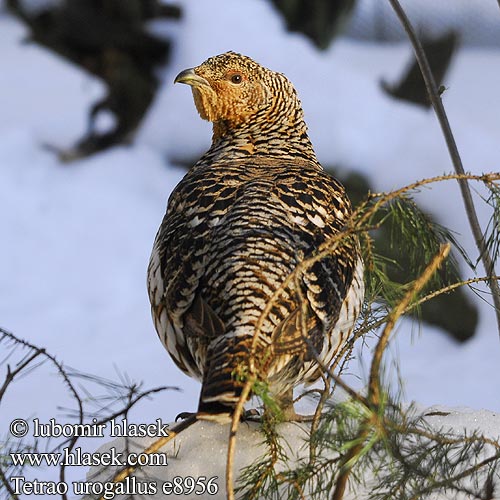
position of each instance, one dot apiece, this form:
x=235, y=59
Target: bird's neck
x=285, y=139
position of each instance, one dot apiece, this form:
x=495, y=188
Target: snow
x=76, y=238
x=208, y=441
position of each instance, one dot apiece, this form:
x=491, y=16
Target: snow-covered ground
x=208, y=441
x=75, y=239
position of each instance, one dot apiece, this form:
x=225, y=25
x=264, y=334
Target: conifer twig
x=437, y=104
x=355, y=225
x=67, y=376
x=449, y=288
x=457, y=477
x=374, y=382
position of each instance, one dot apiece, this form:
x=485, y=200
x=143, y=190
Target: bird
x=254, y=207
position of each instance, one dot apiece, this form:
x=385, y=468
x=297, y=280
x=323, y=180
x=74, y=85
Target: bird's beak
x=189, y=77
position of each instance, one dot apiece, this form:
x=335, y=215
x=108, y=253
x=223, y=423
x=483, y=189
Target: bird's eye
x=237, y=78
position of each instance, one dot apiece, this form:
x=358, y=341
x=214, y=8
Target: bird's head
x=231, y=89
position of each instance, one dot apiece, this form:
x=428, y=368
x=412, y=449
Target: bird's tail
x=224, y=377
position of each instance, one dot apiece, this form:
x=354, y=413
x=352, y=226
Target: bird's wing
x=292, y=335
x=201, y=320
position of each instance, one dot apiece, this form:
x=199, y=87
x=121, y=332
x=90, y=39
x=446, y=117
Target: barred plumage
x=250, y=210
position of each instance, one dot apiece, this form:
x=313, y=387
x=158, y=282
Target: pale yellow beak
x=189, y=77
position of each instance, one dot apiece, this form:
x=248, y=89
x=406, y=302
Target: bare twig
x=133, y=398
x=11, y=374
x=62, y=372
x=454, y=154
x=442, y=439
x=317, y=416
x=156, y=445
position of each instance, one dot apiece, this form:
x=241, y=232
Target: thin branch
x=6, y=483
x=132, y=401
x=437, y=104
x=442, y=439
x=453, y=480
x=374, y=383
x=235, y=422
x=59, y=367
x=354, y=225
x=62, y=372
x=317, y=416
x=448, y=289
x=345, y=470
x=11, y=374
x=155, y=446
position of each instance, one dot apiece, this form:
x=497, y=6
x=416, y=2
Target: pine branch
x=374, y=391
x=448, y=289
x=457, y=477
x=361, y=221
x=11, y=374
x=316, y=418
x=437, y=104
x=374, y=382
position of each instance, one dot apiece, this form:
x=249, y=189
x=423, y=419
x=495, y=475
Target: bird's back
x=232, y=235
x=228, y=277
